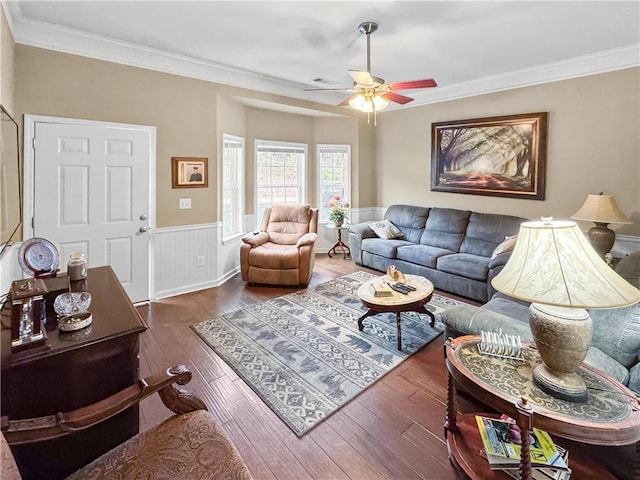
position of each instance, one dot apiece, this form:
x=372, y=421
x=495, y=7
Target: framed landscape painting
x=498, y=156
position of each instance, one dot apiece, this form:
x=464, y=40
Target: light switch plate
x=184, y=203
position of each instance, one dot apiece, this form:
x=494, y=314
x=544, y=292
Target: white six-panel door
x=91, y=194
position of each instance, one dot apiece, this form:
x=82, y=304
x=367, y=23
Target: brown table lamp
x=602, y=210
x=554, y=267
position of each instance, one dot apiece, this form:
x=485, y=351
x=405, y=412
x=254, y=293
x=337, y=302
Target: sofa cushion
x=422, y=254
x=465, y=265
x=617, y=333
x=629, y=269
x=600, y=360
x=486, y=230
x=409, y=219
x=445, y=228
x=384, y=248
x=386, y=230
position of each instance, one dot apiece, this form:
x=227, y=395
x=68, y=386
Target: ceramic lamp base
x=562, y=336
x=602, y=238
x=566, y=386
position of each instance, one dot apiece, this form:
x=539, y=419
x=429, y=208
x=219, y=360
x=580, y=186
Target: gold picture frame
x=189, y=172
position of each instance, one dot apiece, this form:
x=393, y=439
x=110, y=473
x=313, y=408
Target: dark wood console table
x=80, y=368
x=610, y=416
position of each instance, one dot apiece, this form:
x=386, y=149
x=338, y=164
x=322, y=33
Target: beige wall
x=593, y=146
x=593, y=142
x=7, y=56
x=181, y=109
x=190, y=116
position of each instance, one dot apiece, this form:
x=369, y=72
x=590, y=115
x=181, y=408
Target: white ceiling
x=280, y=47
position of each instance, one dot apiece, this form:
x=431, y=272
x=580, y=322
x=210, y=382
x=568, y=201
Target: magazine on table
x=502, y=444
x=545, y=473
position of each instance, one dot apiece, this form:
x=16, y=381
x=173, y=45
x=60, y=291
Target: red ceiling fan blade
x=397, y=98
x=426, y=83
x=361, y=78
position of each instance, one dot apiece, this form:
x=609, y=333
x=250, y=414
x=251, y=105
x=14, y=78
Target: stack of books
x=501, y=441
x=381, y=289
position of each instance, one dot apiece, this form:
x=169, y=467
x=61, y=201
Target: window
x=280, y=174
x=334, y=173
x=232, y=185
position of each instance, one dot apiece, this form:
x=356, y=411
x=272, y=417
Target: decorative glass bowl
x=72, y=303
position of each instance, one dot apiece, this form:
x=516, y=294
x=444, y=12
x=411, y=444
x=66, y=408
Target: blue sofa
x=452, y=248
x=615, y=348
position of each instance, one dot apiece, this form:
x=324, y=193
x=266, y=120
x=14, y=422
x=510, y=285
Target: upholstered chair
x=282, y=252
x=188, y=445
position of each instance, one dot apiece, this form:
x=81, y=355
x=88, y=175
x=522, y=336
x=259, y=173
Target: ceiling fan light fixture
x=368, y=103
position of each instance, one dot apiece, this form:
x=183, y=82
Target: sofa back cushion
x=617, y=331
x=409, y=219
x=486, y=230
x=445, y=228
x=286, y=223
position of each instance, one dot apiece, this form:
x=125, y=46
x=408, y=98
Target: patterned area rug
x=303, y=354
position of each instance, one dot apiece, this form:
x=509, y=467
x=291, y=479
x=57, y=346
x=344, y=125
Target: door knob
x=143, y=229
x=143, y=217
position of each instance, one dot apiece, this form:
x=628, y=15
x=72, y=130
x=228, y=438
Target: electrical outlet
x=184, y=203
x=200, y=261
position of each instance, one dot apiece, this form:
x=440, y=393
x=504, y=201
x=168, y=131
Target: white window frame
x=302, y=169
x=345, y=187
x=237, y=187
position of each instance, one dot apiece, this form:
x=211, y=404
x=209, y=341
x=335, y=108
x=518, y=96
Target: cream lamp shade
x=554, y=267
x=553, y=263
x=602, y=210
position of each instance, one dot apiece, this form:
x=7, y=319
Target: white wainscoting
x=176, y=251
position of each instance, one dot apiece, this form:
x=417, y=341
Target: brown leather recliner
x=283, y=251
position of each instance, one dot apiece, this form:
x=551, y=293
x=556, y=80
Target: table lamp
x=602, y=210
x=554, y=267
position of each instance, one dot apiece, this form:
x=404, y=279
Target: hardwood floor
x=393, y=430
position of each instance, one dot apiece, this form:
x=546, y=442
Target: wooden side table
x=78, y=369
x=346, y=251
x=610, y=416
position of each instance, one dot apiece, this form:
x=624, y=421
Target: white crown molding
x=62, y=39
x=602, y=62
x=66, y=40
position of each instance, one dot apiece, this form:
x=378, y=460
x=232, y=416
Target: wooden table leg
x=360, y=320
x=399, y=330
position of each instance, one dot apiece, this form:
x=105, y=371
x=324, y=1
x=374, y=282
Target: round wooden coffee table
x=397, y=302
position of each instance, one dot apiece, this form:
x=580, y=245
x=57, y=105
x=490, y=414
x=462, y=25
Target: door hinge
x=33, y=223
x=33, y=143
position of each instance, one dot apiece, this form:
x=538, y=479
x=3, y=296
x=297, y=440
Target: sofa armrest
x=307, y=239
x=634, y=379
x=357, y=233
x=361, y=230
x=499, y=260
x=469, y=320
x=256, y=239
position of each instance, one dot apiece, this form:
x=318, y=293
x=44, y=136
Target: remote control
x=408, y=287
x=398, y=289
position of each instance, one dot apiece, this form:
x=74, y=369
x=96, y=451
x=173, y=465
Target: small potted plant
x=339, y=210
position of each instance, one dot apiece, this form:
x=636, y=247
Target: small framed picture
x=189, y=172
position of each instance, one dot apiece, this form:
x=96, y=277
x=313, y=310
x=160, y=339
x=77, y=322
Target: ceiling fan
x=372, y=94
